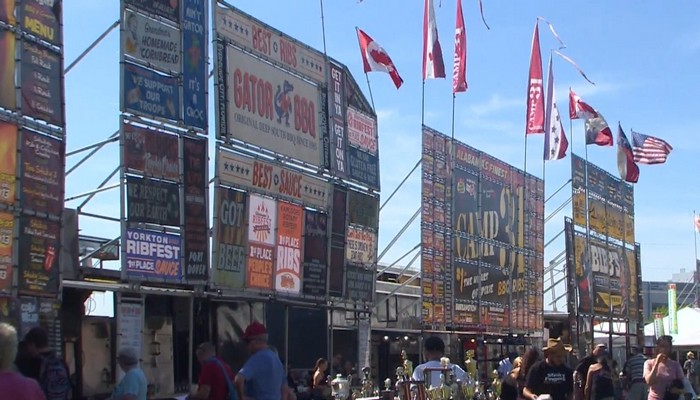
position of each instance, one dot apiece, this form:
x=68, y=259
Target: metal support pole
x=380, y=272
x=92, y=146
x=95, y=191
x=92, y=46
x=190, y=373
x=104, y=182
x=398, y=235
x=95, y=150
x=558, y=190
x=400, y=184
x=409, y=280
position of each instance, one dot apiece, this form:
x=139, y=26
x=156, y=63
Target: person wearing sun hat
x=262, y=376
x=550, y=378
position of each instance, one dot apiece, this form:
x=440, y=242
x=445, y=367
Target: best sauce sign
x=272, y=109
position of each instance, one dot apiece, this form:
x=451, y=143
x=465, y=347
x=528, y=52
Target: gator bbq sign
x=272, y=109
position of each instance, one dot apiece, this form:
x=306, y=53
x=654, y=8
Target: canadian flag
x=375, y=58
x=535, y=89
x=578, y=108
x=433, y=64
x=459, y=74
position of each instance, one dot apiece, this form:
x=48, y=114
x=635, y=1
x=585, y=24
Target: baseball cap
x=253, y=330
x=128, y=355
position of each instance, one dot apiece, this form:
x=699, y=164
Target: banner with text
x=271, y=178
x=167, y=9
x=290, y=218
x=269, y=43
x=8, y=162
x=41, y=83
x=262, y=228
x=231, y=219
x=151, y=42
x=359, y=283
x=335, y=136
x=361, y=248
x=150, y=152
x=150, y=94
x=152, y=201
x=315, y=273
x=195, y=32
x=42, y=19
x=272, y=109
x=153, y=255
x=196, y=227
x=8, y=97
x=41, y=184
x=7, y=239
x=39, y=242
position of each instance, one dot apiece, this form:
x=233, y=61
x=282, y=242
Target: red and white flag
x=696, y=222
x=555, y=142
x=629, y=171
x=433, y=64
x=535, y=89
x=375, y=58
x=578, y=108
x=459, y=74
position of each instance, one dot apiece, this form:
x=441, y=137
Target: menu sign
x=38, y=256
x=41, y=83
x=42, y=18
x=42, y=173
x=359, y=283
x=196, y=231
x=8, y=162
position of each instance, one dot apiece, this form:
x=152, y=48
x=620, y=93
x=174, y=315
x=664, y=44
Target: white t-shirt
x=419, y=375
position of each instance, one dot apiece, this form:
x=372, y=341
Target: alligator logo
x=283, y=102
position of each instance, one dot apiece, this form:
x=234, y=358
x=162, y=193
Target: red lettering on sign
x=252, y=94
x=290, y=184
x=262, y=175
x=305, y=116
x=288, y=53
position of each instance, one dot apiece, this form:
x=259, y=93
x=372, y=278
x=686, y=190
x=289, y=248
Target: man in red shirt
x=212, y=382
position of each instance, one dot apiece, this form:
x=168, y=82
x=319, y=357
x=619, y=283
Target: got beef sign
x=272, y=109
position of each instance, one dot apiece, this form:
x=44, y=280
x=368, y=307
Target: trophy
x=340, y=387
x=496, y=384
x=403, y=388
x=387, y=393
x=407, y=365
x=367, y=383
x=469, y=387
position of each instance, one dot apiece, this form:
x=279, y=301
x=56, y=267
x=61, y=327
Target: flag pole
x=695, y=237
x=422, y=105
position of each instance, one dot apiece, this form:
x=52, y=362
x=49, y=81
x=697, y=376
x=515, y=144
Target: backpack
x=54, y=378
x=232, y=392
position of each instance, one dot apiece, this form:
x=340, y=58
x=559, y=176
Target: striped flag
x=649, y=150
x=696, y=222
x=555, y=143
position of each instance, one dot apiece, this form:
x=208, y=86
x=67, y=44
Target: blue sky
x=643, y=57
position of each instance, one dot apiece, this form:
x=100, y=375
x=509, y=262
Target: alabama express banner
x=230, y=228
x=496, y=233
x=262, y=227
x=153, y=255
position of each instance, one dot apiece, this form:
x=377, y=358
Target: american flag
x=649, y=149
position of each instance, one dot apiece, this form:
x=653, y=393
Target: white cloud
x=495, y=104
